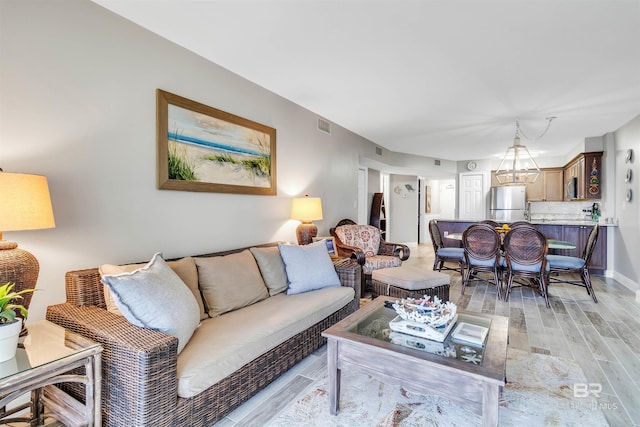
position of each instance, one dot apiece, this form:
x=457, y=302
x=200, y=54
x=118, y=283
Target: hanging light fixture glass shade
x=517, y=166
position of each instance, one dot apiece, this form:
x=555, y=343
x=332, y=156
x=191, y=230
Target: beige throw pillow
x=272, y=268
x=230, y=282
x=185, y=268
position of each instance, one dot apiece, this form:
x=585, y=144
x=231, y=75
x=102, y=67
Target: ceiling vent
x=436, y=162
x=324, y=126
x=379, y=151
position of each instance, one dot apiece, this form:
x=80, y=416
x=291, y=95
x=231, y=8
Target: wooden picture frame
x=427, y=199
x=331, y=247
x=201, y=148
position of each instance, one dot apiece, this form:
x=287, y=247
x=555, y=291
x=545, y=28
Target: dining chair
x=562, y=265
x=525, y=256
x=521, y=224
x=481, y=244
x=490, y=222
x=444, y=254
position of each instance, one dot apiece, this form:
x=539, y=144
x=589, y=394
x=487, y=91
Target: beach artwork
x=201, y=148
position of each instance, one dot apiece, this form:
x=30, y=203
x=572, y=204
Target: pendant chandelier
x=517, y=165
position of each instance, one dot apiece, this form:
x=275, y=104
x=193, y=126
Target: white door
x=472, y=196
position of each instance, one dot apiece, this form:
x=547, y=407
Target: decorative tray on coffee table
x=424, y=317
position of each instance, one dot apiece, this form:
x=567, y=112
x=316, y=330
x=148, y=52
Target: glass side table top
x=44, y=343
x=376, y=325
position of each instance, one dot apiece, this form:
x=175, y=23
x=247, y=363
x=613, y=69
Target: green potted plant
x=10, y=326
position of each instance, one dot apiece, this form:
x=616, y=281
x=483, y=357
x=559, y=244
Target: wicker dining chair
x=481, y=244
x=562, y=265
x=525, y=256
x=521, y=224
x=444, y=254
x=490, y=222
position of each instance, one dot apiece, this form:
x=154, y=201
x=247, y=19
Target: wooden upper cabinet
x=548, y=187
x=586, y=170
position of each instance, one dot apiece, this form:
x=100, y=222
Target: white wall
x=627, y=235
x=77, y=104
x=403, y=209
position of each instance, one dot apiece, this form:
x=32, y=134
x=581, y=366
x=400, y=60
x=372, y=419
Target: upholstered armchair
x=364, y=244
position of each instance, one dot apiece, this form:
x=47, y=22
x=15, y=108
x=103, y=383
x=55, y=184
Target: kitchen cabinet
x=585, y=173
x=548, y=187
x=551, y=231
x=578, y=235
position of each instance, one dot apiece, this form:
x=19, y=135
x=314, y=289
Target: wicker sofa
x=140, y=366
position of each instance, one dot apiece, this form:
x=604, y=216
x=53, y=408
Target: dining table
x=554, y=244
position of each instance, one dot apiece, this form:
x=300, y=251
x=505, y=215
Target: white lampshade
x=306, y=209
x=25, y=203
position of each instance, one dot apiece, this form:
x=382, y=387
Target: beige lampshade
x=25, y=203
x=306, y=209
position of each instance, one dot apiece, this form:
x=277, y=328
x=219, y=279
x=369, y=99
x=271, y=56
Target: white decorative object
x=422, y=330
x=433, y=313
x=424, y=318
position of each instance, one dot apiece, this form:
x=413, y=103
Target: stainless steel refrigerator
x=508, y=203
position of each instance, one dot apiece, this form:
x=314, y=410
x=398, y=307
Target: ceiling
x=440, y=78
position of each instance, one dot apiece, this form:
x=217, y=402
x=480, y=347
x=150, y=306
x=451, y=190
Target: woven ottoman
x=408, y=281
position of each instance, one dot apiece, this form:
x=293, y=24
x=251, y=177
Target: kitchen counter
x=543, y=222
x=568, y=222
x=574, y=231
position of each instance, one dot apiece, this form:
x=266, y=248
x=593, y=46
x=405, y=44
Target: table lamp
x=306, y=209
x=25, y=204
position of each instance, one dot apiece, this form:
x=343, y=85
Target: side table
x=349, y=271
x=48, y=355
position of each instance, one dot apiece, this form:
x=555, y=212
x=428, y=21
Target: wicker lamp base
x=20, y=267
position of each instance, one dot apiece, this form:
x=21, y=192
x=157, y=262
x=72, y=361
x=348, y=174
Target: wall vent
x=379, y=151
x=436, y=162
x=324, y=126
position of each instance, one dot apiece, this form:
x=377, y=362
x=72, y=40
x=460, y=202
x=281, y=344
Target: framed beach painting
x=201, y=148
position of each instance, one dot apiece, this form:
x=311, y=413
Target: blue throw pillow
x=155, y=297
x=308, y=267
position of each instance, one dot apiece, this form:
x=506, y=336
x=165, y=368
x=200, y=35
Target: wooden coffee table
x=473, y=381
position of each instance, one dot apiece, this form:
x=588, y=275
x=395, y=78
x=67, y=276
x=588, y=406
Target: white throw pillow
x=308, y=267
x=155, y=297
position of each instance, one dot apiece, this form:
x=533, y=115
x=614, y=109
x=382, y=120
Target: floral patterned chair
x=364, y=244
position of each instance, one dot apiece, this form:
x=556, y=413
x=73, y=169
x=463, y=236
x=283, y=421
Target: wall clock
x=627, y=178
x=472, y=165
x=629, y=157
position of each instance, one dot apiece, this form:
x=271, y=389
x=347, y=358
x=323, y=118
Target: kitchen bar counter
x=575, y=232
x=601, y=223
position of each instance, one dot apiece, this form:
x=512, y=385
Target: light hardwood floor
x=604, y=338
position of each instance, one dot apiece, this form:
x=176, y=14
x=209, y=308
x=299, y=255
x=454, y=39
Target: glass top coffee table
x=469, y=375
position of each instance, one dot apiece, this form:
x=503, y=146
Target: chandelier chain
x=521, y=132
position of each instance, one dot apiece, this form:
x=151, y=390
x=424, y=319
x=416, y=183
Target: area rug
x=539, y=392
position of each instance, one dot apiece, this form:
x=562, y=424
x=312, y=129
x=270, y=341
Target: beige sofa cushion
x=185, y=268
x=222, y=345
x=272, y=268
x=230, y=282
